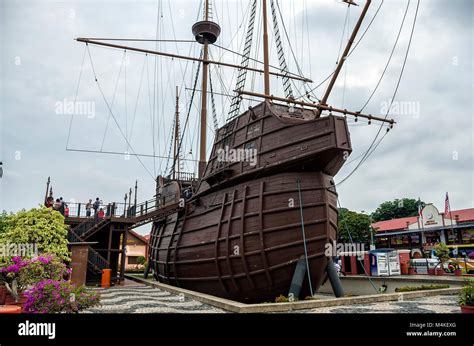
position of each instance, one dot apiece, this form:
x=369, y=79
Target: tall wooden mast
x=203, y=122
x=205, y=32
x=266, y=70
x=176, y=137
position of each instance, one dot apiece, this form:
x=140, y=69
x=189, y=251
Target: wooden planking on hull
x=281, y=140
x=246, y=247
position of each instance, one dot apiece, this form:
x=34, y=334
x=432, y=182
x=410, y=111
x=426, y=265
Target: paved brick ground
x=434, y=304
x=146, y=299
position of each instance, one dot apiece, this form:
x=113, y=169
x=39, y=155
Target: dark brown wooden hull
x=240, y=236
x=243, y=243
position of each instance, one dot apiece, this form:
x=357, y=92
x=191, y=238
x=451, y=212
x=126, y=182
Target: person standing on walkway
x=88, y=208
x=101, y=213
x=61, y=207
x=96, y=206
x=57, y=204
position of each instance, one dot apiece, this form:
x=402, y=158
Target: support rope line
x=113, y=116
x=281, y=54
x=138, y=96
x=75, y=97
x=298, y=181
x=113, y=99
x=352, y=242
x=388, y=61
x=198, y=69
x=213, y=104
x=350, y=52
x=370, y=150
x=242, y=76
x=170, y=148
x=121, y=153
x=300, y=71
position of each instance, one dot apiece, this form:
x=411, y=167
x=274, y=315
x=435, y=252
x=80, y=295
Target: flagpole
x=450, y=215
x=420, y=220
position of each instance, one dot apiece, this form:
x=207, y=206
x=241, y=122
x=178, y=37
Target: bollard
x=105, y=283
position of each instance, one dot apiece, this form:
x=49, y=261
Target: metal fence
x=110, y=210
x=121, y=210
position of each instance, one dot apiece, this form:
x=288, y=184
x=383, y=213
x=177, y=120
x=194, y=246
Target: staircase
x=89, y=227
x=78, y=234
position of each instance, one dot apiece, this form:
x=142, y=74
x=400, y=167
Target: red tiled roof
x=138, y=236
x=464, y=214
x=401, y=223
x=394, y=224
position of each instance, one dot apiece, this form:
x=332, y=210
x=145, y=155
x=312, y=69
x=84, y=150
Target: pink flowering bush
x=53, y=296
x=18, y=273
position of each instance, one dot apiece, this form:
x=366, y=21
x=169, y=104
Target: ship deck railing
x=125, y=212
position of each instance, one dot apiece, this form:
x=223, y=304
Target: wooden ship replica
x=251, y=231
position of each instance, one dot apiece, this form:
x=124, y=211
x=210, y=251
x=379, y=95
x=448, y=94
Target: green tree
x=4, y=219
x=141, y=260
x=41, y=226
x=396, y=209
x=442, y=252
x=357, y=224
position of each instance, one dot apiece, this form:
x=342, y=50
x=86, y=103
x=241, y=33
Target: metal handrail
x=93, y=256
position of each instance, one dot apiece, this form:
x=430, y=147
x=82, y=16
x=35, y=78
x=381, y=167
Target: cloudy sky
x=428, y=152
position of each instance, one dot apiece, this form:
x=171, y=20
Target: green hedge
x=420, y=288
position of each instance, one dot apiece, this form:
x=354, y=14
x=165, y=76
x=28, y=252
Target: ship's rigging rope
x=183, y=73
x=129, y=135
x=281, y=54
x=242, y=76
x=352, y=242
x=178, y=151
x=347, y=62
x=213, y=104
x=138, y=96
x=298, y=184
x=346, y=24
x=350, y=52
x=113, y=100
x=75, y=97
x=300, y=72
x=372, y=148
x=153, y=117
x=112, y=114
x=128, y=132
x=388, y=61
x=169, y=150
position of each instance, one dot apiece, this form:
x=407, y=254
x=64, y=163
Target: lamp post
x=371, y=230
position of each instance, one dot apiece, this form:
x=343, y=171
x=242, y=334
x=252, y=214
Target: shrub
x=19, y=273
x=466, y=295
x=420, y=288
x=141, y=260
x=442, y=252
x=281, y=299
x=41, y=226
x=52, y=296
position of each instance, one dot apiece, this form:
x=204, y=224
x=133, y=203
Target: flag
x=447, y=209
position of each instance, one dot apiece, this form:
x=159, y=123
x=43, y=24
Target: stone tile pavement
x=146, y=299
x=433, y=304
